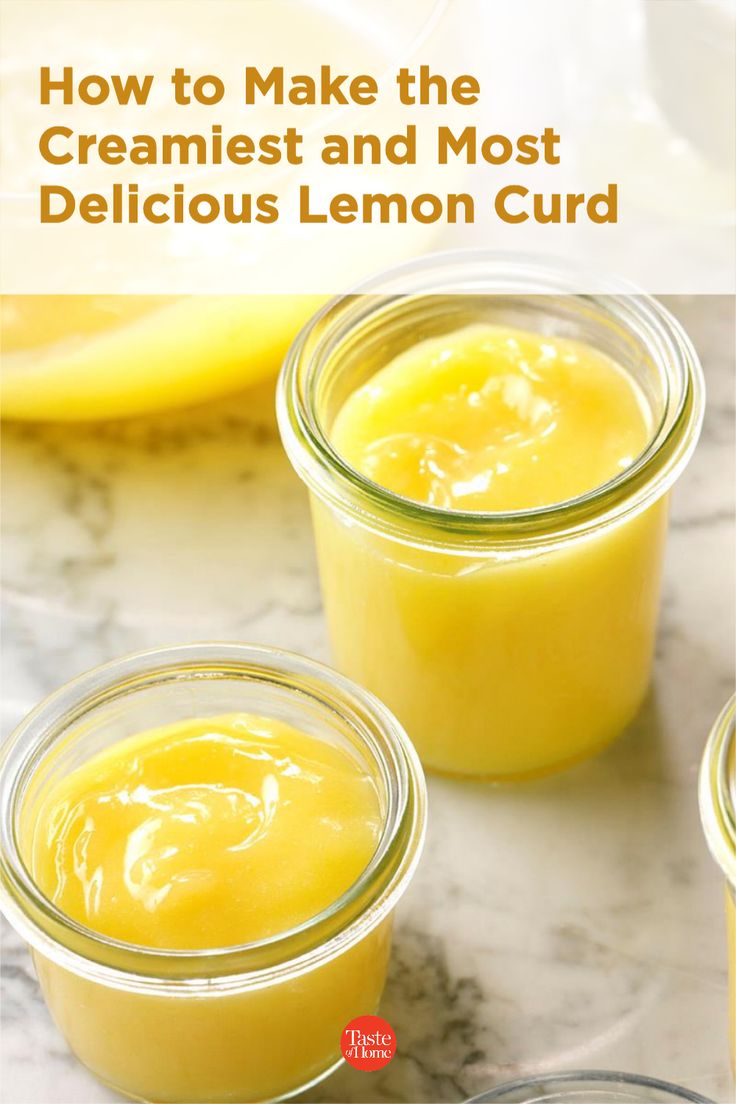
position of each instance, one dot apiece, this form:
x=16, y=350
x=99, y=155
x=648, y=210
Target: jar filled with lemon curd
x=489, y=455
x=203, y=847
x=718, y=813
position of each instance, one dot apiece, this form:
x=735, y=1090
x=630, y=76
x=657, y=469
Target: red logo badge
x=368, y=1043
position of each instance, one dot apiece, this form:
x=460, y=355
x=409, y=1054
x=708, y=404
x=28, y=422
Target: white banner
x=225, y=147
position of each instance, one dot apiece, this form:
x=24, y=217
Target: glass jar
x=249, y=1023
x=717, y=792
x=589, y=1087
x=507, y=644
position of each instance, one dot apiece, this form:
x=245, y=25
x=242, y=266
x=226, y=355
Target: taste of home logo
x=368, y=1043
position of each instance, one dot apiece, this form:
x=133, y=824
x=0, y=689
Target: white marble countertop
x=576, y=921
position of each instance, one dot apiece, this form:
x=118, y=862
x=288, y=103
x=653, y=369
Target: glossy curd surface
x=206, y=833
x=514, y=661
x=491, y=419
x=203, y=834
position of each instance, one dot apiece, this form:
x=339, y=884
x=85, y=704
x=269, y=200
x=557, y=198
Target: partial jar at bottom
x=717, y=792
x=586, y=1086
x=507, y=644
x=258, y=1022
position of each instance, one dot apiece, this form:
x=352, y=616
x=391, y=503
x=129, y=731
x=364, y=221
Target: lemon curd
x=514, y=666
x=717, y=798
x=205, y=833
x=489, y=418
x=731, y=935
x=85, y=357
x=203, y=847
x=489, y=455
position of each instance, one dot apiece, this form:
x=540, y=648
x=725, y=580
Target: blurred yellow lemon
x=84, y=357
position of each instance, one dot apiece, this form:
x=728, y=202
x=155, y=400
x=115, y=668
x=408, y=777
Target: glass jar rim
x=717, y=791
x=576, y=1080
x=484, y=272
x=232, y=968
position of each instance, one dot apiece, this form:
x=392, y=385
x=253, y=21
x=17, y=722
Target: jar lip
x=260, y=962
x=575, y=1080
x=717, y=791
x=488, y=273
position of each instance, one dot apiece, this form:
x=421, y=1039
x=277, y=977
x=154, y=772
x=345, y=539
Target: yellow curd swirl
x=488, y=418
x=206, y=833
